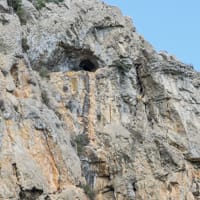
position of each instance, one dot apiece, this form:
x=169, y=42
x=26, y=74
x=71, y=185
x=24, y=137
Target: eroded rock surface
x=89, y=110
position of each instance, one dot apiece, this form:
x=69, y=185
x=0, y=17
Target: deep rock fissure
x=45, y=133
x=14, y=72
x=30, y=194
x=16, y=172
x=25, y=194
x=87, y=65
x=77, y=58
x=139, y=79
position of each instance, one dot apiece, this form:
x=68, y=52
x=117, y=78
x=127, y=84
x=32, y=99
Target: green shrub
x=15, y=4
x=89, y=191
x=45, y=98
x=44, y=72
x=2, y=105
x=81, y=141
x=17, y=7
x=25, y=45
x=39, y=4
x=55, y=1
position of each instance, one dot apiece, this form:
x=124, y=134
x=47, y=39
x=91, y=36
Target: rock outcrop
x=89, y=110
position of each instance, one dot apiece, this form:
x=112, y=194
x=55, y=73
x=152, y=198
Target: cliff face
x=88, y=109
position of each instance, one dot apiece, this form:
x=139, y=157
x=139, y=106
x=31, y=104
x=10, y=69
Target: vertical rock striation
x=89, y=110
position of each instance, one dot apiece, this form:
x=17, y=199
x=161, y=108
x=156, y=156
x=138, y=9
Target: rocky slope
x=89, y=110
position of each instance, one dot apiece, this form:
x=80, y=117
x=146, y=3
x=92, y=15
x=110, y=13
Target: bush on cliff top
x=41, y=3
x=17, y=4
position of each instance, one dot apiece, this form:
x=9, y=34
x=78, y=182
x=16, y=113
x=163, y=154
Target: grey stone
x=89, y=108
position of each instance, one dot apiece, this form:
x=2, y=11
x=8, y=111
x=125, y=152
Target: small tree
x=15, y=4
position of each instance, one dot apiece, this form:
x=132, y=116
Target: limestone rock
x=89, y=110
x=30, y=13
x=4, y=6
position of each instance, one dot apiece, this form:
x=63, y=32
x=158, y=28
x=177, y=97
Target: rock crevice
x=89, y=110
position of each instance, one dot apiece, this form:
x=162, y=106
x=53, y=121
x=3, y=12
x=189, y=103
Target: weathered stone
x=89, y=110
x=4, y=6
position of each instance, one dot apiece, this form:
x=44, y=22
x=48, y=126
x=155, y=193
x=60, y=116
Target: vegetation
x=44, y=72
x=81, y=141
x=55, y=1
x=45, y=98
x=39, y=4
x=2, y=105
x=89, y=191
x=25, y=45
x=15, y=4
x=17, y=7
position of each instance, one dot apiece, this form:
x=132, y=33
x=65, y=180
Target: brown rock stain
x=74, y=85
x=44, y=157
x=9, y=124
x=92, y=107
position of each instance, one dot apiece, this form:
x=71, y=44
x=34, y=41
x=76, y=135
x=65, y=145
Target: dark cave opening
x=87, y=65
x=30, y=194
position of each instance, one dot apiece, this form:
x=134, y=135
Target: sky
x=172, y=25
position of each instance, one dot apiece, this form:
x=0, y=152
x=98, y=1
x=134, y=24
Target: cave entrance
x=87, y=65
